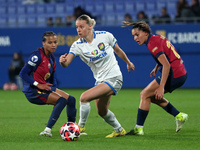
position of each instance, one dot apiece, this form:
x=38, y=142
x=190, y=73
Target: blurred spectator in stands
x=78, y=11
x=179, y=6
x=127, y=17
x=70, y=20
x=141, y=16
x=50, y=22
x=15, y=67
x=184, y=12
x=58, y=22
x=195, y=7
x=187, y=15
x=165, y=17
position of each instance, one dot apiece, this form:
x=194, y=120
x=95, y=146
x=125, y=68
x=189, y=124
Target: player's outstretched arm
x=123, y=56
x=66, y=59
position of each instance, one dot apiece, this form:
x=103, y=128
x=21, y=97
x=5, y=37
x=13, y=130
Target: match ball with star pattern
x=70, y=131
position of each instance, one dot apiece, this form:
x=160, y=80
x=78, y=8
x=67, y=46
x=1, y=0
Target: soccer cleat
x=116, y=134
x=180, y=120
x=82, y=130
x=46, y=133
x=136, y=131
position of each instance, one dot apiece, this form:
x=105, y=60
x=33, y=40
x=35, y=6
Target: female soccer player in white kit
x=96, y=49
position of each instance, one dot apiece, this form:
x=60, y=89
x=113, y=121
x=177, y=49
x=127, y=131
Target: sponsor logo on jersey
x=49, y=65
x=31, y=63
x=154, y=49
x=34, y=59
x=101, y=46
x=47, y=76
x=99, y=57
x=94, y=52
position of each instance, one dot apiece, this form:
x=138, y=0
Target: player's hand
x=153, y=72
x=159, y=93
x=45, y=86
x=130, y=67
x=63, y=58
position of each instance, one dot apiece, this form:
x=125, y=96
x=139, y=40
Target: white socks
x=112, y=120
x=138, y=126
x=84, y=113
x=109, y=117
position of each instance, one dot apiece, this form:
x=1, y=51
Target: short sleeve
x=155, y=48
x=34, y=60
x=111, y=39
x=74, y=49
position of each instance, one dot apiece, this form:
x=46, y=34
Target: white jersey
x=98, y=55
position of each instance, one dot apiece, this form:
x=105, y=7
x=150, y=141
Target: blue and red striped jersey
x=38, y=68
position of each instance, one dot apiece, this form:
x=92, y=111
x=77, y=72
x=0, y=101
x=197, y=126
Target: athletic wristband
x=35, y=83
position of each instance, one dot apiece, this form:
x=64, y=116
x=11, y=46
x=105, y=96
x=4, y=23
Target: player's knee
x=72, y=101
x=143, y=95
x=84, y=98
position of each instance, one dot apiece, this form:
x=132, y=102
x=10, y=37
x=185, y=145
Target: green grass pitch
x=21, y=122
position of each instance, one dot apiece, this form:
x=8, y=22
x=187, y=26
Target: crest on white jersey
x=101, y=46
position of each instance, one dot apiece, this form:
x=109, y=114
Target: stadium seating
x=3, y=9
x=41, y=21
x=11, y=9
x=3, y=21
x=12, y=21
x=50, y=8
x=21, y=10
x=150, y=5
x=119, y=7
x=106, y=11
x=129, y=7
x=40, y=9
x=22, y=21
x=139, y=5
x=109, y=7
x=59, y=9
x=31, y=21
x=69, y=9
x=30, y=9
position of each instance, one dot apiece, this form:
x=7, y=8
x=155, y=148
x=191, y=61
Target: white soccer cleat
x=180, y=120
x=46, y=133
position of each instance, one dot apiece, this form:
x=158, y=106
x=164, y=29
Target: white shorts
x=114, y=83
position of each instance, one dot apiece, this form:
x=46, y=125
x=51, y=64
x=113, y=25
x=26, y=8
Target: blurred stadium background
x=34, y=13
x=22, y=23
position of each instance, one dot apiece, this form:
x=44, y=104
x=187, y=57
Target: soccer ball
x=6, y=86
x=70, y=131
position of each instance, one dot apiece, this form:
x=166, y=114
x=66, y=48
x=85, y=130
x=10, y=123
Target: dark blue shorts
x=38, y=97
x=173, y=83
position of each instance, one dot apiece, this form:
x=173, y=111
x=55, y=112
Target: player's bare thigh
x=62, y=93
x=54, y=96
x=96, y=92
x=149, y=90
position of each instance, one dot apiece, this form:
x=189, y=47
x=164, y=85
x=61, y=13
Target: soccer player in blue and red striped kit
x=40, y=83
x=173, y=76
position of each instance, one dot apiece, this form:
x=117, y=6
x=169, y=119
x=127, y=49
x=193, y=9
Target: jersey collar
x=148, y=39
x=84, y=41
